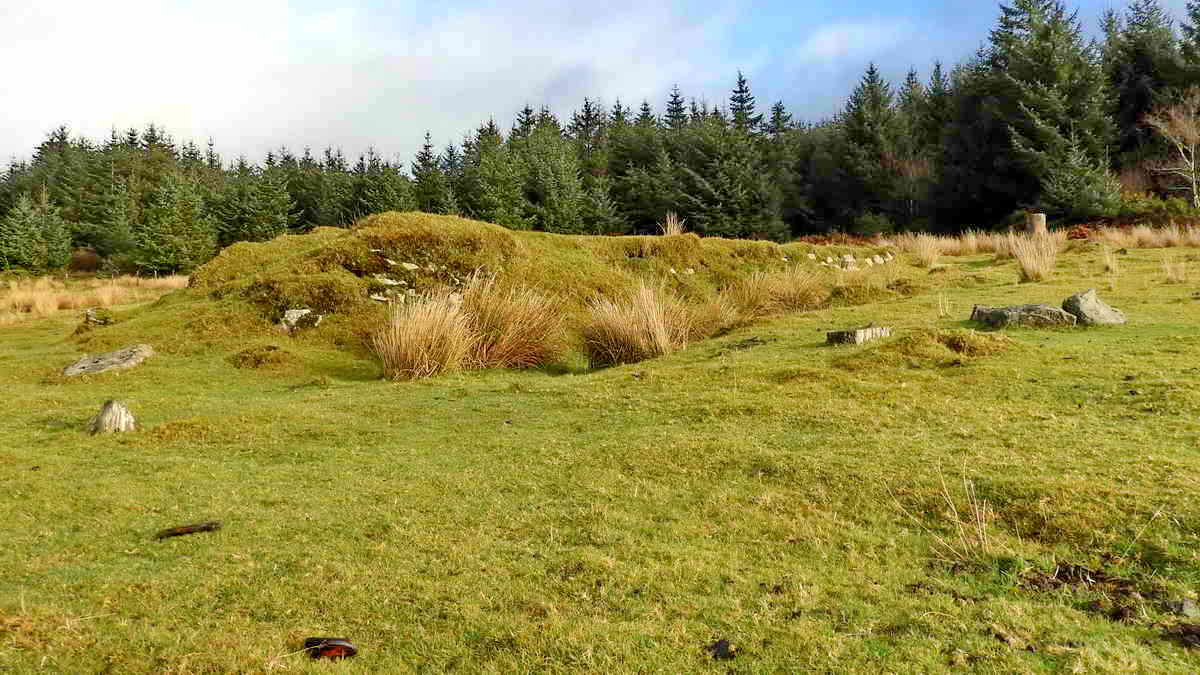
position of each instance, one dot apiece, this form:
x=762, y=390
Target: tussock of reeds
x=1036, y=255
x=794, y=289
x=671, y=224
x=1175, y=271
x=513, y=327
x=650, y=323
x=426, y=336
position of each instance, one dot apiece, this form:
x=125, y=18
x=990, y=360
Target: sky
x=257, y=74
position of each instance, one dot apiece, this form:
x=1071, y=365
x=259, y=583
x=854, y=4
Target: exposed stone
x=856, y=336
x=388, y=282
x=848, y=259
x=1186, y=607
x=410, y=267
x=812, y=256
x=378, y=297
x=113, y=417
x=828, y=260
x=98, y=316
x=1037, y=316
x=1092, y=311
x=299, y=319
x=878, y=259
x=869, y=262
x=121, y=359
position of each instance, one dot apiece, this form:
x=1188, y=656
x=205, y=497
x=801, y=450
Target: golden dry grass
x=672, y=224
x=1036, y=254
x=427, y=336
x=43, y=296
x=652, y=322
x=794, y=289
x=514, y=327
x=1175, y=271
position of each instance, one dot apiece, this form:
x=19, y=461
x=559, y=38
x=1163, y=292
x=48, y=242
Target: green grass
x=760, y=487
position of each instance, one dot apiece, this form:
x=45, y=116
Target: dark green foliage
x=34, y=235
x=432, y=191
x=175, y=234
x=741, y=106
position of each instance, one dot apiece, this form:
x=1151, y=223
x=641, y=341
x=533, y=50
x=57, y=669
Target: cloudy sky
x=255, y=74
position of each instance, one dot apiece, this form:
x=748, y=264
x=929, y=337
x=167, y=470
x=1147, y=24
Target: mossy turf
x=239, y=297
x=761, y=488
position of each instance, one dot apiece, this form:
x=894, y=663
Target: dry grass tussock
x=46, y=295
x=1036, y=254
x=651, y=322
x=795, y=289
x=672, y=224
x=927, y=248
x=970, y=523
x=1175, y=271
x=427, y=336
x=513, y=327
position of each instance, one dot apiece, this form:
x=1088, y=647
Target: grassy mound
x=926, y=348
x=347, y=274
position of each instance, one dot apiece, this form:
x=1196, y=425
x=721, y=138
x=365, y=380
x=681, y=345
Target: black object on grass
x=207, y=526
x=329, y=648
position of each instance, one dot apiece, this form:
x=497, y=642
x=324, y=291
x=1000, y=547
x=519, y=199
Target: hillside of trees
x=1040, y=117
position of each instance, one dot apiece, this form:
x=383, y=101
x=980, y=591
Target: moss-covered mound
x=347, y=275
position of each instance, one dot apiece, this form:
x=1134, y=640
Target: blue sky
x=255, y=74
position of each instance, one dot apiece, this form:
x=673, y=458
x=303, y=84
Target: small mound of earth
x=926, y=348
x=262, y=356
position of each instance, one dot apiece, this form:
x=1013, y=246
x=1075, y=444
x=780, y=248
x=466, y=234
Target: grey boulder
x=1092, y=311
x=118, y=360
x=1036, y=316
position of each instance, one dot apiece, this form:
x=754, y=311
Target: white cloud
x=832, y=45
x=254, y=74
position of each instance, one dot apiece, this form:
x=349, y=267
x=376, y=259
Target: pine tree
x=175, y=235
x=1051, y=86
x=646, y=116
x=1143, y=66
x=781, y=120
x=741, y=106
x=553, y=185
x=432, y=192
x=676, y=116
x=34, y=236
x=523, y=126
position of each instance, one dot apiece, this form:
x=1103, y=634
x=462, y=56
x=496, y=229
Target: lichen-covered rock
x=1090, y=310
x=113, y=417
x=299, y=319
x=1036, y=316
x=121, y=359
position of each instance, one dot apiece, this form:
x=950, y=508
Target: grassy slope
x=783, y=495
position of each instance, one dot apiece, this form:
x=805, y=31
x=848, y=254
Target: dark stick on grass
x=207, y=526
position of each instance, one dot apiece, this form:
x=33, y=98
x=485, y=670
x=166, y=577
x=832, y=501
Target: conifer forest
x=1085, y=123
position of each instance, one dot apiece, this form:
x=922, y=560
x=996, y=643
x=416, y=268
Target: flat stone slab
x=856, y=336
x=1092, y=311
x=121, y=359
x=1036, y=316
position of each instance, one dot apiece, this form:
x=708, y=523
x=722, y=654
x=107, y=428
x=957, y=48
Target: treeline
x=1040, y=117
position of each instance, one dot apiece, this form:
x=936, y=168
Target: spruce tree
x=175, y=235
x=1051, y=89
x=781, y=120
x=34, y=236
x=741, y=106
x=646, y=116
x=432, y=192
x=1144, y=66
x=676, y=116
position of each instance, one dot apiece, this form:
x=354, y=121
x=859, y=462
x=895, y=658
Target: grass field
x=935, y=501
